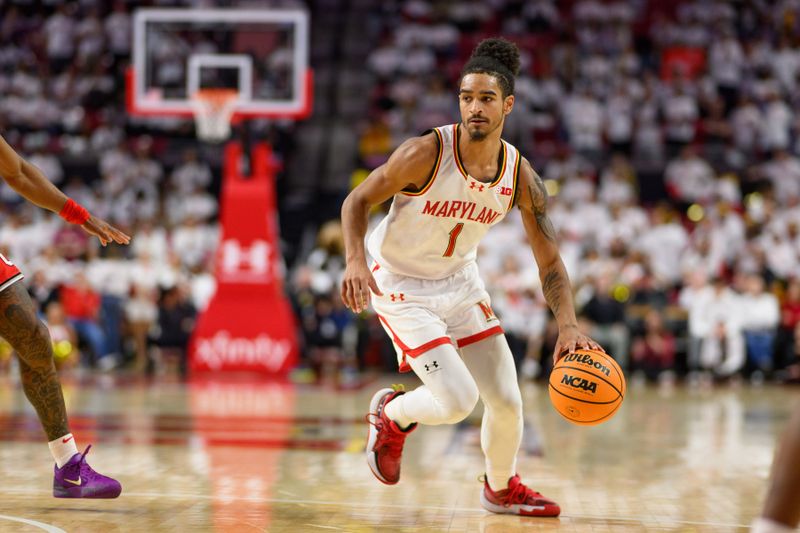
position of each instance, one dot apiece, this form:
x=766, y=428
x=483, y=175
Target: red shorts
x=9, y=273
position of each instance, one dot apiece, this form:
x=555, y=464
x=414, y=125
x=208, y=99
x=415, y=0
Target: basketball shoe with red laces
x=517, y=499
x=386, y=439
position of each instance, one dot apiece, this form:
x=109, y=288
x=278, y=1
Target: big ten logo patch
x=486, y=309
x=245, y=263
x=506, y=191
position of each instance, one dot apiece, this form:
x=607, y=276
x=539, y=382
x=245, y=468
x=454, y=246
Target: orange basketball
x=587, y=387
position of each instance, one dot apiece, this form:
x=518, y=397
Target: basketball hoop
x=213, y=111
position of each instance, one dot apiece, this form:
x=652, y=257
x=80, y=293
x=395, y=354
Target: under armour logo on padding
x=473, y=186
x=433, y=364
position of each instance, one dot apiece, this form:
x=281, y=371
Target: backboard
x=261, y=53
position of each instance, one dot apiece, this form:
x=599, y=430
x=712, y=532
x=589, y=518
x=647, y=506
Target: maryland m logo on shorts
x=487, y=311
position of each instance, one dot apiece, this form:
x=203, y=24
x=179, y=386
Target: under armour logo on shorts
x=434, y=365
x=398, y=297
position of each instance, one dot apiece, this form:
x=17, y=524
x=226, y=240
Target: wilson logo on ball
x=587, y=360
x=579, y=383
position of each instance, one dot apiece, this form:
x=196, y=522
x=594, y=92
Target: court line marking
x=191, y=496
x=34, y=523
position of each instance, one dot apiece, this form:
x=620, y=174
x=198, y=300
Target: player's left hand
x=569, y=340
x=104, y=231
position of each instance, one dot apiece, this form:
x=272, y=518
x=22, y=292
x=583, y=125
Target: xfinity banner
x=248, y=325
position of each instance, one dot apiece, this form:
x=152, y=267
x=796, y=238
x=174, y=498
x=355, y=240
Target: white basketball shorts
x=420, y=314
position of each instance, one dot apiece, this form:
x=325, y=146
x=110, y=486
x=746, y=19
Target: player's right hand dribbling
x=356, y=285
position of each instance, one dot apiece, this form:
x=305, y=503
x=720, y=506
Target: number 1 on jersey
x=454, y=233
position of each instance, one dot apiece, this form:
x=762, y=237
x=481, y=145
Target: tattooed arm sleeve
x=542, y=238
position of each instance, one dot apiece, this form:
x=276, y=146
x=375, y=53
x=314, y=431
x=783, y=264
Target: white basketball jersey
x=434, y=232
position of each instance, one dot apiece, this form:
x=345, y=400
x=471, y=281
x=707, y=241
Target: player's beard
x=478, y=135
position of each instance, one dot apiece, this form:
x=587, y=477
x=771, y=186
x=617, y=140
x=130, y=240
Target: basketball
x=587, y=387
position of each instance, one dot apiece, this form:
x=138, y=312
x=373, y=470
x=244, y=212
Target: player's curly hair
x=497, y=57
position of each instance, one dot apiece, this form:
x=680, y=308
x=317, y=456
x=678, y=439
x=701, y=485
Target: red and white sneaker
x=386, y=439
x=517, y=499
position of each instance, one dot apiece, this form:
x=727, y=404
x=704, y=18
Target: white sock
x=394, y=411
x=765, y=525
x=497, y=482
x=63, y=448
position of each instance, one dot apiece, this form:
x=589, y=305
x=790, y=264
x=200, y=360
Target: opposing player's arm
x=408, y=167
x=30, y=183
x=532, y=196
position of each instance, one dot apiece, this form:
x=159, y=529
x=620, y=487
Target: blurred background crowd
x=666, y=136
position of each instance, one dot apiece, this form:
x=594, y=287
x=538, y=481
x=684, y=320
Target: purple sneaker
x=76, y=479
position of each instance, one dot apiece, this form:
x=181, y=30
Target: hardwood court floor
x=241, y=457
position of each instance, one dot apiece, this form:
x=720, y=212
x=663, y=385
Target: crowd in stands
x=667, y=139
x=114, y=304
x=665, y=134
x=62, y=69
x=62, y=76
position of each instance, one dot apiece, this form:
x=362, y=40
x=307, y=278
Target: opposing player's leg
x=782, y=508
x=447, y=396
x=31, y=341
x=491, y=363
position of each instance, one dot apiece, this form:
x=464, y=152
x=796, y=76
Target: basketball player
x=74, y=478
x=781, y=513
x=449, y=187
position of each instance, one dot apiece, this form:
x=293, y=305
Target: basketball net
x=213, y=111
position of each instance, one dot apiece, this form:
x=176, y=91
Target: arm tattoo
x=539, y=208
x=553, y=286
x=31, y=341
